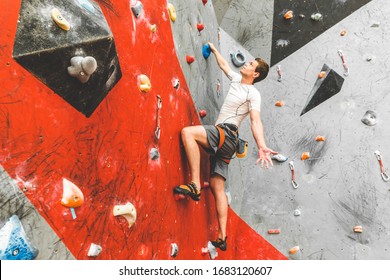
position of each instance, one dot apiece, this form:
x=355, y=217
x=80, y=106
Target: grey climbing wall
x=340, y=185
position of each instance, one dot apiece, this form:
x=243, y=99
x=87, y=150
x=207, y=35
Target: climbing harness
x=385, y=177
x=279, y=70
x=159, y=105
x=294, y=184
x=238, y=58
x=346, y=69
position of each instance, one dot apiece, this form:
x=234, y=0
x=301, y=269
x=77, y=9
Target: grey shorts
x=218, y=158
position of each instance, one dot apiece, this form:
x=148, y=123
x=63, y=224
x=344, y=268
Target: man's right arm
x=222, y=63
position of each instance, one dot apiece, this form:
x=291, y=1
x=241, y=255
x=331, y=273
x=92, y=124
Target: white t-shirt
x=240, y=100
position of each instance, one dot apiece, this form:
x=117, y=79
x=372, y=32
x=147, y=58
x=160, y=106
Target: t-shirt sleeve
x=255, y=101
x=234, y=77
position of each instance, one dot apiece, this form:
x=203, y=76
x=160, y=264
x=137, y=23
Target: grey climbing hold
x=375, y=24
x=279, y=157
x=212, y=250
x=154, y=154
x=238, y=58
x=176, y=83
x=136, y=7
x=174, y=250
x=82, y=67
x=369, y=118
x=316, y=17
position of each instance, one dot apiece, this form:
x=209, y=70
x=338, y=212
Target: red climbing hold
x=204, y=2
x=190, y=59
x=200, y=26
x=202, y=113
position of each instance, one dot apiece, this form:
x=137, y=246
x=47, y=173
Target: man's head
x=256, y=69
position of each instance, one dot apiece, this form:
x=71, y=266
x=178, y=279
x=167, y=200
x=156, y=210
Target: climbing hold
x=154, y=154
x=190, y=59
x=82, y=67
x=321, y=74
x=204, y=2
x=297, y=212
x=200, y=26
x=59, y=19
x=206, y=185
x=358, y=229
x=94, y=250
x=14, y=243
x=153, y=28
x=238, y=58
x=157, y=132
x=279, y=70
x=293, y=250
x=136, y=7
x=305, y=155
x=279, y=157
x=293, y=183
x=202, y=113
x=320, y=138
x=295, y=253
x=176, y=84
x=369, y=118
x=343, y=33
x=212, y=250
x=375, y=24
x=174, y=250
x=273, y=231
x=172, y=12
x=316, y=17
x=206, y=51
x=72, y=196
x=87, y=5
x=384, y=176
x=145, y=85
x=288, y=15
x=302, y=16
x=127, y=211
x=279, y=103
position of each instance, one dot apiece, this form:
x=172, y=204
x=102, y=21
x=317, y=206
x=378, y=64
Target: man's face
x=249, y=69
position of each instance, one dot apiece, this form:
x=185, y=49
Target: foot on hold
x=220, y=243
x=188, y=189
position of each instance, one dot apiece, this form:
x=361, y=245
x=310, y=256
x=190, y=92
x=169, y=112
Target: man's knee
x=186, y=133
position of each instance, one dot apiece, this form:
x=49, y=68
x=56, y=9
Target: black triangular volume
x=324, y=88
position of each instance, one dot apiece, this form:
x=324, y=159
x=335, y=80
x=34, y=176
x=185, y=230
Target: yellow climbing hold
x=145, y=85
x=172, y=12
x=59, y=20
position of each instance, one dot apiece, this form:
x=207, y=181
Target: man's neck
x=246, y=81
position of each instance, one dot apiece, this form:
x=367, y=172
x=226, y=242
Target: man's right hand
x=212, y=47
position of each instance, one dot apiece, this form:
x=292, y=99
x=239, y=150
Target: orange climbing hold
x=273, y=231
x=72, y=196
x=288, y=15
x=59, y=20
x=305, y=155
x=293, y=250
x=343, y=33
x=279, y=103
x=190, y=59
x=321, y=74
x=358, y=229
x=320, y=138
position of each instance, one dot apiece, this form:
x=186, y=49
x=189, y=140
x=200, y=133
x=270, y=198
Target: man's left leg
x=217, y=184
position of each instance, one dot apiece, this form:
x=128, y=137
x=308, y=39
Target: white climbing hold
x=94, y=250
x=174, y=250
x=127, y=211
x=212, y=250
x=279, y=157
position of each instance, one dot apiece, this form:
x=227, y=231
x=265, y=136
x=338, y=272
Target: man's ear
x=256, y=74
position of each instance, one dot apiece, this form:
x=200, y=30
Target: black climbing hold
x=46, y=50
x=324, y=89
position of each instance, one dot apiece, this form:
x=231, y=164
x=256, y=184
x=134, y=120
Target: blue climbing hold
x=14, y=244
x=206, y=51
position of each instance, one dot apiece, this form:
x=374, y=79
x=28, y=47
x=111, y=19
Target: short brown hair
x=262, y=69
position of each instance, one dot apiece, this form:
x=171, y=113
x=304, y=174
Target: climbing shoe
x=219, y=243
x=188, y=189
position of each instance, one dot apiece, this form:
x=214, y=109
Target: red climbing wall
x=43, y=139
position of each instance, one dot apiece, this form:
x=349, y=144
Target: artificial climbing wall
x=339, y=207
x=74, y=162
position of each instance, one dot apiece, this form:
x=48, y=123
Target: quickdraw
x=159, y=105
x=346, y=69
x=294, y=184
x=218, y=88
x=279, y=70
x=385, y=177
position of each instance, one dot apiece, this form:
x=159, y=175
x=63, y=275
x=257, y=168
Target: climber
x=220, y=141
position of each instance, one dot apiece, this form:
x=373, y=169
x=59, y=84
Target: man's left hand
x=264, y=155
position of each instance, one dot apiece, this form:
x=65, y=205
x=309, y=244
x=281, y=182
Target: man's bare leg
x=217, y=184
x=192, y=137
